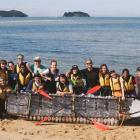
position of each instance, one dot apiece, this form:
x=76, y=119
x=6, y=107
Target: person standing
x=91, y=75
x=20, y=59
x=13, y=76
x=37, y=67
x=51, y=76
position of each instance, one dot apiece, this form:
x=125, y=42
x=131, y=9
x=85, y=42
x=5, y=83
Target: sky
x=43, y=8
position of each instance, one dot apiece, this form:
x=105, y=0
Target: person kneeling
x=64, y=86
x=36, y=84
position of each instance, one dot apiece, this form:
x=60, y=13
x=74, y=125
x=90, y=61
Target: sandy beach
x=26, y=130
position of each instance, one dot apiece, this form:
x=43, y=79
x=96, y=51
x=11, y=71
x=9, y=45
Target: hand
x=8, y=90
x=1, y=91
x=33, y=74
x=61, y=93
x=123, y=98
x=49, y=78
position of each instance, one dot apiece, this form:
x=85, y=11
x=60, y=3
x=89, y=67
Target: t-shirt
x=91, y=77
x=37, y=70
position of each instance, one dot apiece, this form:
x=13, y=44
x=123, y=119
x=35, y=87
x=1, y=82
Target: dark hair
x=65, y=77
x=11, y=62
x=3, y=62
x=103, y=66
x=125, y=70
x=138, y=69
x=37, y=75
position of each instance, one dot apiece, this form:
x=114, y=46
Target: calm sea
x=114, y=41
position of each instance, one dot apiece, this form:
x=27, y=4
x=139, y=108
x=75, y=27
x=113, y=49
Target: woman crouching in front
x=64, y=86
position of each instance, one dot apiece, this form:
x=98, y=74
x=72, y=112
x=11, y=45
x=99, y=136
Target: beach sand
x=26, y=130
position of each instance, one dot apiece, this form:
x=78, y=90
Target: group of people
x=25, y=77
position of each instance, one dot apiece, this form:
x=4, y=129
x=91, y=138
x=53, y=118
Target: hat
x=37, y=58
x=138, y=68
x=75, y=67
x=112, y=71
x=20, y=56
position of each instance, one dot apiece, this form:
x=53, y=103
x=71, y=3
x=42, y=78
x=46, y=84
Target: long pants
x=2, y=107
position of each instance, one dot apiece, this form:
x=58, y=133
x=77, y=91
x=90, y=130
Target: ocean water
x=114, y=41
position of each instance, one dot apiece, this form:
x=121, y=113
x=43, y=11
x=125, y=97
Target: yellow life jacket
x=24, y=80
x=66, y=89
x=4, y=75
x=104, y=81
x=17, y=68
x=128, y=85
x=115, y=84
x=77, y=81
x=35, y=87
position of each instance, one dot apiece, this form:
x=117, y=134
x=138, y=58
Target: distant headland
x=12, y=13
x=76, y=14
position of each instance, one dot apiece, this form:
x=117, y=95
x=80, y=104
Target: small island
x=12, y=13
x=76, y=14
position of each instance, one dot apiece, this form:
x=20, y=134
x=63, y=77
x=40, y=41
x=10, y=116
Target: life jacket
x=35, y=87
x=65, y=88
x=104, y=81
x=128, y=85
x=116, y=87
x=76, y=81
x=17, y=68
x=24, y=80
x=115, y=84
x=4, y=74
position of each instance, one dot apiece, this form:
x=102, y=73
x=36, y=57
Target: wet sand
x=26, y=130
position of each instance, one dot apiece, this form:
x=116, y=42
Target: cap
x=75, y=67
x=20, y=56
x=138, y=68
x=112, y=71
x=37, y=58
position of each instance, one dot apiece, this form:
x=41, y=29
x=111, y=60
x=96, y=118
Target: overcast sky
x=58, y=7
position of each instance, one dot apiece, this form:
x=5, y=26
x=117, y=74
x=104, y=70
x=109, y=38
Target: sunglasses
x=88, y=63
